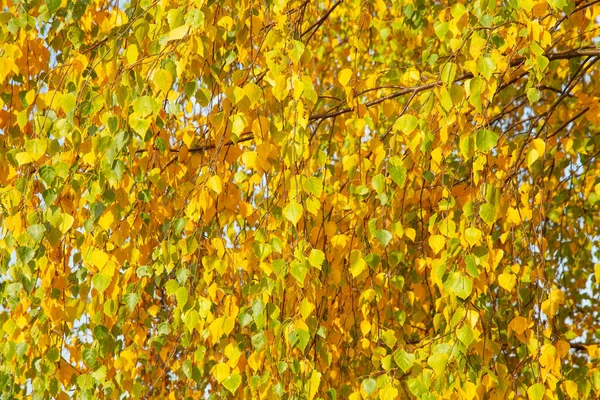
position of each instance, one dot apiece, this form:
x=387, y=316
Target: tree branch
x=564, y=55
x=320, y=22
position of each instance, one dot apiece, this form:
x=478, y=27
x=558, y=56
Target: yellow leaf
x=519, y=324
x=178, y=33
x=221, y=371
x=597, y=273
x=132, y=53
x=344, y=76
x=437, y=243
x=532, y=156
x=127, y=359
x=99, y=258
x=548, y=356
x=410, y=233
x=23, y=158
x=238, y=123
x=472, y=236
x=215, y=184
x=556, y=298
x=365, y=327
x=293, y=212
x=163, y=80
x=249, y=159
x=513, y=215
x=66, y=222
x=388, y=393
x=233, y=353
x=106, y=220
x=282, y=87
x=216, y=329
x=357, y=267
x=507, y=281
x=30, y=97
x=36, y=148
x=255, y=361
x=306, y=308
x=571, y=388
x=436, y=157
x=313, y=384
x=539, y=145
x=6, y=66
x=477, y=45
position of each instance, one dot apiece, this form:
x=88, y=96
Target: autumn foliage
x=300, y=199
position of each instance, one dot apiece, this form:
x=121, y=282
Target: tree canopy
x=299, y=199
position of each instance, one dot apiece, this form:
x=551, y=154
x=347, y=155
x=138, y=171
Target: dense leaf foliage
x=299, y=199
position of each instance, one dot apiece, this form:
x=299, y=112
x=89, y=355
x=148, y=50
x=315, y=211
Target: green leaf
x=130, y=300
x=139, y=124
x=36, y=232
x=465, y=335
x=542, y=63
x=101, y=282
x=299, y=271
x=258, y=307
x=313, y=185
x=296, y=51
x=191, y=319
x=178, y=225
x=404, y=360
x=303, y=338
x=293, y=212
x=559, y=5
x=232, y=382
x=48, y=173
x=36, y=148
x=316, y=258
x=369, y=385
x=398, y=174
x=68, y=101
x=448, y=73
x=259, y=340
x=460, y=285
x=53, y=5
x=441, y=28
x=536, y=392
x=181, y=294
x=164, y=328
x=438, y=362
x=487, y=212
x=486, y=140
x=90, y=357
x=486, y=67
x=25, y=254
x=145, y=106
x=533, y=95
x=383, y=236
x=378, y=183
x=143, y=271
x=406, y=123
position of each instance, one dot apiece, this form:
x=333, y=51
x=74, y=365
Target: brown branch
x=320, y=22
x=564, y=55
x=581, y=346
x=563, y=126
x=200, y=149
